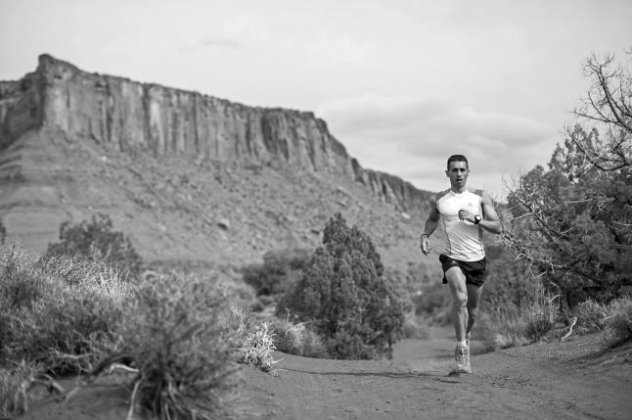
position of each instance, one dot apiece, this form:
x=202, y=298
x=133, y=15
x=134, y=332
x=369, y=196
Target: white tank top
x=464, y=240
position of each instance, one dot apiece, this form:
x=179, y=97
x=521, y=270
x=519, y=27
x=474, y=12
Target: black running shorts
x=474, y=271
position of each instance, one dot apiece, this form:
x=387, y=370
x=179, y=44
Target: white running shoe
x=462, y=356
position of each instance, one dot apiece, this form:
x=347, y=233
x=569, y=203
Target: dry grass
x=501, y=329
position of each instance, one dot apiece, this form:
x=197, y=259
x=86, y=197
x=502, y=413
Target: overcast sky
x=401, y=83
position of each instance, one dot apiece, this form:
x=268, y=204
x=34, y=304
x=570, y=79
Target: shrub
x=97, y=240
x=591, y=316
x=538, y=324
x=343, y=294
x=19, y=286
x=619, y=322
x=257, y=348
x=279, y=271
x=501, y=328
x=540, y=313
x=253, y=340
x=60, y=325
x=298, y=339
x=289, y=337
x=177, y=336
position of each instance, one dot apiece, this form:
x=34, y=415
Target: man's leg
x=456, y=281
x=473, y=296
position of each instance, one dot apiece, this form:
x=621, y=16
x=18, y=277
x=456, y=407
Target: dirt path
x=544, y=381
x=534, y=383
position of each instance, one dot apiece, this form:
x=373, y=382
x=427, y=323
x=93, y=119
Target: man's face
x=458, y=173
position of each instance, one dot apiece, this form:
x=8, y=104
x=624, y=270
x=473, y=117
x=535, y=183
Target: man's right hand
x=424, y=244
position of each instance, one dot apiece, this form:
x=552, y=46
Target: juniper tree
x=345, y=296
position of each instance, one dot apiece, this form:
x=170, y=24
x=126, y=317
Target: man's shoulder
x=478, y=192
x=438, y=196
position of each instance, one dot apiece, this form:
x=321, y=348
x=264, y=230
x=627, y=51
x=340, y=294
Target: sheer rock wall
x=145, y=117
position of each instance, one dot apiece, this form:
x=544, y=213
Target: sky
x=402, y=84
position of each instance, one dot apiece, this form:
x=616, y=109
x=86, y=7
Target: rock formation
x=137, y=117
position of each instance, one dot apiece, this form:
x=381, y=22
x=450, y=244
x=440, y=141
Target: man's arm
x=490, y=221
x=431, y=224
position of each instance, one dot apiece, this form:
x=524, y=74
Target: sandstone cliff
x=138, y=117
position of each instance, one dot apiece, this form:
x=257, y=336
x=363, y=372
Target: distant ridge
x=191, y=178
x=133, y=116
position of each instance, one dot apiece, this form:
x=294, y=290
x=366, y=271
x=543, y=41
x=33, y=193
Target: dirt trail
x=544, y=381
x=512, y=384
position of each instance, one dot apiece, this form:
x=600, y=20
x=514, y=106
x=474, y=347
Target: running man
x=463, y=216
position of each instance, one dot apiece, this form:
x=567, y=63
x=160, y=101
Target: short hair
x=458, y=158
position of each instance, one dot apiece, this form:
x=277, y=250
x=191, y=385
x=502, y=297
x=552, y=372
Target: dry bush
x=540, y=314
x=289, y=337
x=258, y=347
x=591, y=316
x=252, y=339
x=298, y=339
x=176, y=335
x=538, y=324
x=57, y=314
x=619, y=321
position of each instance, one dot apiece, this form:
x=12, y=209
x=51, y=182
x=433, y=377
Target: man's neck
x=459, y=190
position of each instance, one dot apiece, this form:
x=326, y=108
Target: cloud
x=212, y=42
x=413, y=137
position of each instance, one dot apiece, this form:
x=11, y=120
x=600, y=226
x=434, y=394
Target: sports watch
x=477, y=219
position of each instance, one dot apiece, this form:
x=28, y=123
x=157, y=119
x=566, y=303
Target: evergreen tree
x=573, y=221
x=344, y=295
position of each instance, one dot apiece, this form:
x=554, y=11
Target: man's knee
x=459, y=300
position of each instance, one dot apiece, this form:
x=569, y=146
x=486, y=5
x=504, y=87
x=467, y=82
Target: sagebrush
x=58, y=314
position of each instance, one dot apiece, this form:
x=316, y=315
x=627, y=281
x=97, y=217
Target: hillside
x=191, y=178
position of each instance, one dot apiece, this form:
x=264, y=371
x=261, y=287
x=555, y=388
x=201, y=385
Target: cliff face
x=132, y=116
x=20, y=107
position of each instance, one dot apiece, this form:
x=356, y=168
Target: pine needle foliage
x=345, y=297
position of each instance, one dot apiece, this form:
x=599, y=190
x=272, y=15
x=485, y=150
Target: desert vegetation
x=72, y=312
x=569, y=227
x=334, y=302
x=88, y=306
